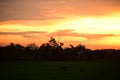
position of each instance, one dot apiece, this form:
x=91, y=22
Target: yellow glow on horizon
x=91, y=25
x=109, y=41
x=79, y=25
x=94, y=25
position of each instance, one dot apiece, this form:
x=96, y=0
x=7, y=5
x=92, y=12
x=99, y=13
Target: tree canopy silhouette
x=52, y=50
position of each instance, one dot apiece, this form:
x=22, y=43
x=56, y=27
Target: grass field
x=83, y=70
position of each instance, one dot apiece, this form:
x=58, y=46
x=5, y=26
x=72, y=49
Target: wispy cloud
x=19, y=33
x=75, y=34
x=65, y=33
x=26, y=34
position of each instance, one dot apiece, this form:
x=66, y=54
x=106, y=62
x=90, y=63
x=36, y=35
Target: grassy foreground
x=84, y=70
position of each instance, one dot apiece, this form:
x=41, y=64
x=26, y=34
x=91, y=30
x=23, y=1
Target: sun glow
x=77, y=25
x=94, y=25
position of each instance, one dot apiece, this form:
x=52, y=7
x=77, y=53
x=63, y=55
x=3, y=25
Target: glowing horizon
x=97, y=26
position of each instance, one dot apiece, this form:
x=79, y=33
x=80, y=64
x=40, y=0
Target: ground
x=56, y=70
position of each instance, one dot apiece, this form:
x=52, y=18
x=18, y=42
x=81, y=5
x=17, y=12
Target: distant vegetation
x=52, y=50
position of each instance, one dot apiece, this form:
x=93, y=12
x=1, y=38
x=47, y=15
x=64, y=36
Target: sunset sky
x=94, y=23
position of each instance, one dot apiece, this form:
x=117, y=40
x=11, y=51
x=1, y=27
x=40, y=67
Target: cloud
x=27, y=34
x=94, y=7
x=75, y=34
x=17, y=33
x=26, y=10
x=54, y=9
x=115, y=3
x=65, y=33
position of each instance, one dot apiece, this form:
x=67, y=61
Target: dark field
x=84, y=70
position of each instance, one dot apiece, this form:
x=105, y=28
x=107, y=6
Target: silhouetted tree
x=52, y=50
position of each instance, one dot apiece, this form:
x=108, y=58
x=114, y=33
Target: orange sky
x=94, y=23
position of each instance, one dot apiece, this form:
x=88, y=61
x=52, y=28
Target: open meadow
x=58, y=70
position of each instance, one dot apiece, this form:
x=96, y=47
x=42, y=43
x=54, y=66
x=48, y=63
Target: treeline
x=54, y=51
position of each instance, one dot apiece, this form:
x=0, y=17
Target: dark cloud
x=54, y=9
